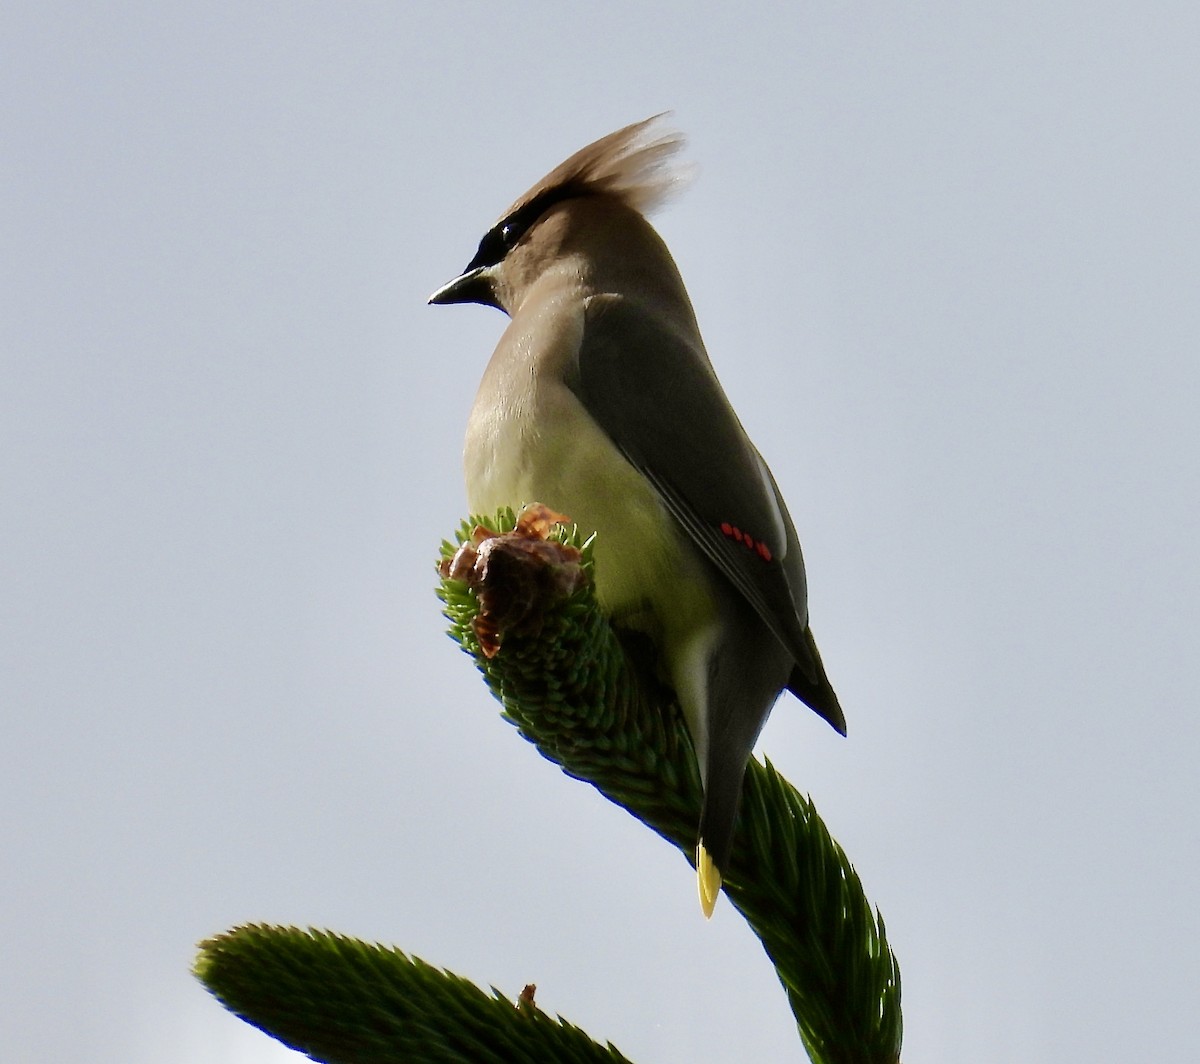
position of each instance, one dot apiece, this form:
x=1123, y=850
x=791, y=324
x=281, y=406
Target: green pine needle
x=575, y=691
x=343, y=1001
x=571, y=690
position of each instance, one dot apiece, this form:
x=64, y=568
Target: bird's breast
x=530, y=439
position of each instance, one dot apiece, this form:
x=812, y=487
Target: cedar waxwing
x=600, y=402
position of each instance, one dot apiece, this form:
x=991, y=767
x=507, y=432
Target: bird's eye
x=506, y=235
x=496, y=243
x=499, y=241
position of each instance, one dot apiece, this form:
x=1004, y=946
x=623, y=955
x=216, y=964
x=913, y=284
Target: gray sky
x=945, y=260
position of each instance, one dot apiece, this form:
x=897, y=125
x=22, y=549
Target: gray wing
x=653, y=391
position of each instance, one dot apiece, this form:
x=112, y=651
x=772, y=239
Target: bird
x=600, y=401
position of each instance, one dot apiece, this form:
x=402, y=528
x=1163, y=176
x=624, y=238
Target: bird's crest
x=633, y=164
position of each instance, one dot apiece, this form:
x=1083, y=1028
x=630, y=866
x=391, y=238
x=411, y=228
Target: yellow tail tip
x=708, y=881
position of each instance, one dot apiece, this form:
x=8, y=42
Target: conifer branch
x=523, y=606
x=570, y=686
x=343, y=1001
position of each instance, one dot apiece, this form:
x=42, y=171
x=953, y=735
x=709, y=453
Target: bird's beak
x=474, y=286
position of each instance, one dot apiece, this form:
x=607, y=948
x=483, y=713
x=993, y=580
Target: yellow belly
x=530, y=439
x=561, y=458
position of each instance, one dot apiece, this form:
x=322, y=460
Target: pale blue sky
x=945, y=260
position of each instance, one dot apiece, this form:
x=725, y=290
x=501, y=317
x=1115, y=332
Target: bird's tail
x=708, y=880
